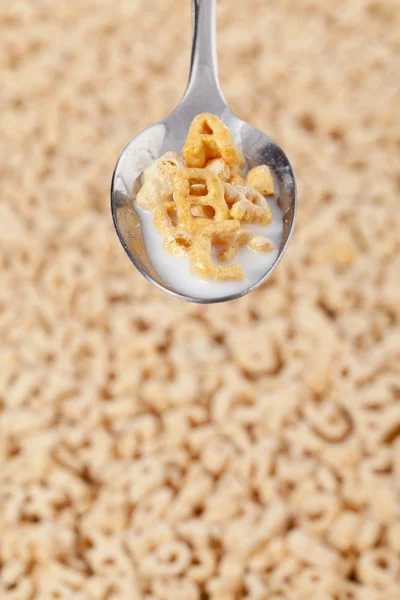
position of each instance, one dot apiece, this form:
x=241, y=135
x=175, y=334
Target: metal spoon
x=203, y=94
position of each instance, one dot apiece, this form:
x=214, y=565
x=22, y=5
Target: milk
x=175, y=271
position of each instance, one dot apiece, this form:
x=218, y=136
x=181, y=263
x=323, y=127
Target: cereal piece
x=317, y=511
x=317, y=583
x=247, y=204
x=176, y=242
x=219, y=167
x=184, y=199
x=232, y=194
x=236, y=177
x=170, y=557
x=158, y=184
x=23, y=589
x=198, y=189
x=394, y=537
x=255, y=242
x=247, y=212
x=202, y=211
x=379, y=568
x=165, y=218
x=209, y=138
x=260, y=178
x=174, y=588
x=343, y=532
x=331, y=421
x=259, y=243
x=310, y=549
x=252, y=209
x=234, y=243
x=201, y=252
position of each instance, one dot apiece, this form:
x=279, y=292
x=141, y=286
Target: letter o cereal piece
x=260, y=178
x=185, y=199
x=209, y=138
x=201, y=253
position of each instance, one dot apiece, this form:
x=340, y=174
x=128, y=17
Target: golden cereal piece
x=202, y=211
x=158, y=184
x=259, y=243
x=236, y=177
x=247, y=212
x=166, y=165
x=232, y=194
x=165, y=219
x=201, y=253
x=247, y=204
x=234, y=243
x=255, y=242
x=219, y=167
x=260, y=178
x=184, y=179
x=198, y=189
x=178, y=244
x=209, y=138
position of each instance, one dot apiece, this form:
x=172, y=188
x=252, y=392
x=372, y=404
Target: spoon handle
x=203, y=87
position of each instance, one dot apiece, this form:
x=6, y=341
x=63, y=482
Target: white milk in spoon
x=175, y=271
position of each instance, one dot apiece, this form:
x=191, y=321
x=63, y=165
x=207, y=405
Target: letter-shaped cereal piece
x=234, y=243
x=260, y=178
x=219, y=167
x=232, y=194
x=201, y=252
x=236, y=177
x=165, y=217
x=258, y=243
x=184, y=179
x=158, y=184
x=202, y=211
x=176, y=242
x=248, y=205
x=209, y=138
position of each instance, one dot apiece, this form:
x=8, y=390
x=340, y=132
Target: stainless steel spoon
x=203, y=94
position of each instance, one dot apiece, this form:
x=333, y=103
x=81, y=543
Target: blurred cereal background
x=153, y=450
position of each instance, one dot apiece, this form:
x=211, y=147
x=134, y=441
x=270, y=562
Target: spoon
x=203, y=94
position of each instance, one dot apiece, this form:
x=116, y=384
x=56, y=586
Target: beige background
x=151, y=449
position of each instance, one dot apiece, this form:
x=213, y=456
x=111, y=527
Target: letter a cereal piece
x=209, y=138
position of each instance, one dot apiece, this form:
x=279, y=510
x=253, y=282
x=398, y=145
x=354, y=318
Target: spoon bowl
x=203, y=94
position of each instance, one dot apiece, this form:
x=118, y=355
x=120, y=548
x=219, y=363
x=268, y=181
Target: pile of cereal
x=200, y=200
x=157, y=450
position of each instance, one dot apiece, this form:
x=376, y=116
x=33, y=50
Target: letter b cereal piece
x=184, y=197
